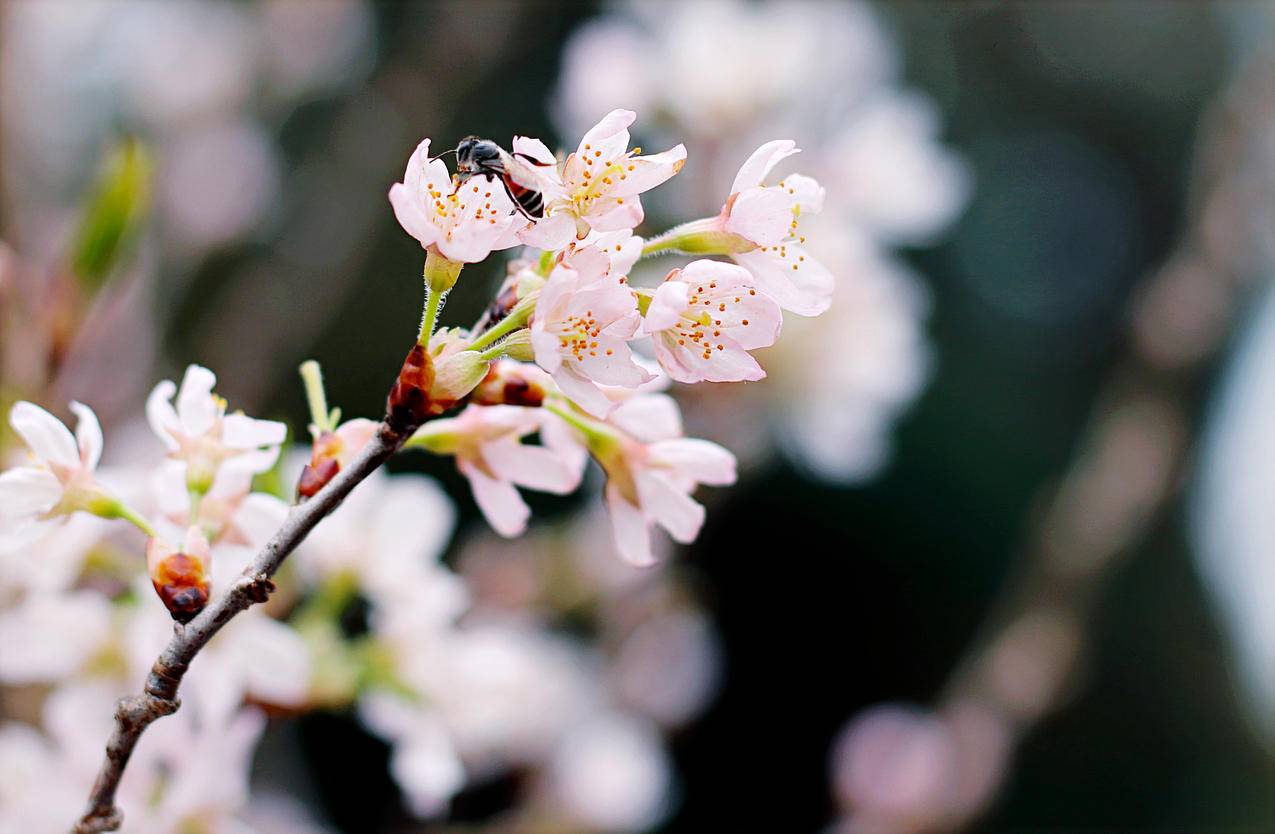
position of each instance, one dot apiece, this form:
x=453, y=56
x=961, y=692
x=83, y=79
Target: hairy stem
x=159, y=696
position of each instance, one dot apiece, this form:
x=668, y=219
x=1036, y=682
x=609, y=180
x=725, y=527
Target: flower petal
x=702, y=460
x=762, y=215
x=27, y=492
x=196, y=407
x=499, y=500
x=88, y=435
x=674, y=510
x=162, y=416
x=583, y=392
x=534, y=467
x=649, y=417
x=241, y=432
x=667, y=305
x=45, y=435
x=806, y=291
x=630, y=529
x=753, y=172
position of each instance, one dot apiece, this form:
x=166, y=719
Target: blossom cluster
x=571, y=362
x=557, y=359
x=832, y=81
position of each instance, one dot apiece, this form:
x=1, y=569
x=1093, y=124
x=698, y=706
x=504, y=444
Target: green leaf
x=114, y=212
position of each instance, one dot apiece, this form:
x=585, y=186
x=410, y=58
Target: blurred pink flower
x=705, y=318
x=487, y=444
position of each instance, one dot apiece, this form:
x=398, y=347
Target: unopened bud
x=513, y=383
x=408, y=404
x=322, y=467
x=181, y=578
x=454, y=377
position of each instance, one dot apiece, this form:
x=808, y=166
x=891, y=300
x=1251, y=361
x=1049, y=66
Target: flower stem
x=135, y=518
x=433, y=301
x=503, y=328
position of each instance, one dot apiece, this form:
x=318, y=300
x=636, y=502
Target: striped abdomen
x=531, y=201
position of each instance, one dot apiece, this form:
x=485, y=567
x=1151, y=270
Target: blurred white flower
x=829, y=80
x=610, y=772
x=50, y=637
x=58, y=481
x=388, y=536
x=200, y=433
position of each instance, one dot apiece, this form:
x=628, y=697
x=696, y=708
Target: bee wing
x=533, y=170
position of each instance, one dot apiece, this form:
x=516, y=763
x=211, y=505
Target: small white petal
x=88, y=435
x=48, y=438
x=196, y=407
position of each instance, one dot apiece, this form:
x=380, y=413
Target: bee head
x=473, y=154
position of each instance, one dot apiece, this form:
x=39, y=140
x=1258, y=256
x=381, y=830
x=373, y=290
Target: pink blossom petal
x=533, y=148
x=723, y=361
x=88, y=435
x=610, y=135
x=45, y=435
x=499, y=500
x=546, y=347
x=678, y=513
x=754, y=170
x=702, y=460
x=630, y=529
x=667, y=305
x=649, y=417
x=762, y=215
x=550, y=233
x=806, y=291
x=534, y=467
x=411, y=217
x=611, y=214
x=582, y=391
x=648, y=172
x=805, y=192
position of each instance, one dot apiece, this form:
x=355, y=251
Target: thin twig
x=159, y=698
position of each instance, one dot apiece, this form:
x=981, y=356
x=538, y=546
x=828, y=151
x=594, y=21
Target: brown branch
x=159, y=697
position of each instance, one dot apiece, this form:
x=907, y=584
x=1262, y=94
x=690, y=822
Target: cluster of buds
x=560, y=355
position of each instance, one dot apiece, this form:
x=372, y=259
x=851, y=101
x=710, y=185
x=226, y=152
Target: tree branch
x=159, y=697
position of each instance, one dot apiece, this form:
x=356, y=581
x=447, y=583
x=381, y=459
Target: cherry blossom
x=650, y=480
x=463, y=222
x=487, y=444
x=583, y=320
x=59, y=479
x=199, y=432
x=780, y=263
x=601, y=183
x=705, y=318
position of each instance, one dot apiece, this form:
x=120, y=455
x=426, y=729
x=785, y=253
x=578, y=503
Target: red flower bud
x=409, y=404
x=181, y=578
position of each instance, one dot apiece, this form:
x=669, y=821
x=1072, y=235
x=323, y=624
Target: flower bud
x=181, y=578
x=454, y=377
x=408, y=403
x=513, y=383
x=322, y=467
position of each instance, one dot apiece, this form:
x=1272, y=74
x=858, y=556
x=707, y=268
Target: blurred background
x=1002, y=554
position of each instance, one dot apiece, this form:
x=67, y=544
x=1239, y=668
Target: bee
x=477, y=157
